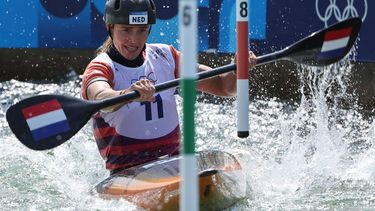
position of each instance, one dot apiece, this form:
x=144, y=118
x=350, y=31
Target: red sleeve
x=176, y=56
x=96, y=71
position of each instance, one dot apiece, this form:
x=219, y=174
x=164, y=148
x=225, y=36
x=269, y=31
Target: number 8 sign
x=242, y=10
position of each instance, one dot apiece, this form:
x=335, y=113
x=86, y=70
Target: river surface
x=309, y=154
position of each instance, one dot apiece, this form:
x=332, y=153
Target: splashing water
x=320, y=156
x=313, y=154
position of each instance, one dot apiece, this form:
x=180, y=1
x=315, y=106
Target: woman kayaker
x=135, y=132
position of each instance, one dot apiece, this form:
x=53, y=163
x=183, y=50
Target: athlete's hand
x=145, y=88
x=252, y=59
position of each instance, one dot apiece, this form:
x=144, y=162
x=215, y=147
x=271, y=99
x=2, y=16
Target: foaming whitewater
x=59, y=179
x=317, y=153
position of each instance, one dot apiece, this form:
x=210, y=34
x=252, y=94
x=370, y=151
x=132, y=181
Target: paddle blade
x=327, y=46
x=46, y=121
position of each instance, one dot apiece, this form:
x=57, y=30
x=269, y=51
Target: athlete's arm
x=224, y=85
x=98, y=84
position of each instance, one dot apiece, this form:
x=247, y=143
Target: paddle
x=46, y=121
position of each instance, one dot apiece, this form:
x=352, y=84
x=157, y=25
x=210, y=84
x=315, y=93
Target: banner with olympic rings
x=273, y=24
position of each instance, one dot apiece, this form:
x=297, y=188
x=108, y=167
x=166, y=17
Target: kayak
x=155, y=185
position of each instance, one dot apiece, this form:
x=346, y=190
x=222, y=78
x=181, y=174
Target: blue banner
x=273, y=24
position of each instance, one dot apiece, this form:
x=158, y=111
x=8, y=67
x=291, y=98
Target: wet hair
x=105, y=46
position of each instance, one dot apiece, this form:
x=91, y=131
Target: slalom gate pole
x=242, y=14
x=188, y=37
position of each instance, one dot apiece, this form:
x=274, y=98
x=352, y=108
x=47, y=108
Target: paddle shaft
x=200, y=76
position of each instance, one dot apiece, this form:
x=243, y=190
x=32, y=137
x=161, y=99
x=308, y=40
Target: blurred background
x=46, y=40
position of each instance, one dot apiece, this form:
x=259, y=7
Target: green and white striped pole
x=188, y=37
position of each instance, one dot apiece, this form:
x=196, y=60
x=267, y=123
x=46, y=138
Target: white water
x=302, y=155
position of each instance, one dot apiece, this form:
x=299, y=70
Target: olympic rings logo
x=334, y=10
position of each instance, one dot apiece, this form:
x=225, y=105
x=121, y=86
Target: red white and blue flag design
x=335, y=43
x=46, y=119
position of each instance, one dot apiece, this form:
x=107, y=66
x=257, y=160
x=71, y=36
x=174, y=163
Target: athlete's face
x=129, y=40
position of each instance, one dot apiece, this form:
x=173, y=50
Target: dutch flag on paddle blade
x=46, y=119
x=335, y=43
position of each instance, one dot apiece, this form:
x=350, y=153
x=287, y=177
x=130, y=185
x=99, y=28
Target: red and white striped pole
x=242, y=17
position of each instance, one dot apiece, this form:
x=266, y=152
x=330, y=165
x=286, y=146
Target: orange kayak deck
x=155, y=185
